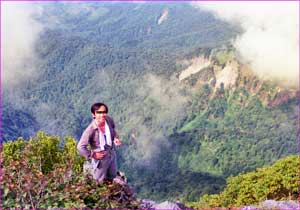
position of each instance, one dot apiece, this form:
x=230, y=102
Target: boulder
x=281, y=205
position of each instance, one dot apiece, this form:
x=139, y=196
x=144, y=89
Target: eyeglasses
x=101, y=112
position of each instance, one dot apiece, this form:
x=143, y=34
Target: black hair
x=96, y=106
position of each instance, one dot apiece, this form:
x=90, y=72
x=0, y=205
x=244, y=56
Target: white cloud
x=270, y=40
x=19, y=33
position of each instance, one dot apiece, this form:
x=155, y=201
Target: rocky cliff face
x=195, y=65
x=228, y=73
x=164, y=16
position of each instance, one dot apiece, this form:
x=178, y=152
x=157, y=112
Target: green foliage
x=223, y=56
x=70, y=154
x=39, y=174
x=44, y=151
x=13, y=150
x=164, y=179
x=277, y=182
x=235, y=133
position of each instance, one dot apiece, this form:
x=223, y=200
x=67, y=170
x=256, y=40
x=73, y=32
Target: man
x=102, y=138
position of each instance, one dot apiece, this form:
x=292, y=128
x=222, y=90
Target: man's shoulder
x=91, y=127
x=110, y=121
x=109, y=118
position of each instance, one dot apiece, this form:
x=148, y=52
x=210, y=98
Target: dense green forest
x=182, y=139
x=280, y=181
x=225, y=138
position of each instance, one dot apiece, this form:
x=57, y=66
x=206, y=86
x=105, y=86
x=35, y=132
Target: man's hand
x=117, y=142
x=99, y=155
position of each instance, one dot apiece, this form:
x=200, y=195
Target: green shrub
x=40, y=174
x=276, y=182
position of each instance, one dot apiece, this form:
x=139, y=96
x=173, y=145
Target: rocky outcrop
x=163, y=17
x=205, y=69
x=152, y=205
x=228, y=75
x=196, y=65
x=271, y=204
x=281, y=97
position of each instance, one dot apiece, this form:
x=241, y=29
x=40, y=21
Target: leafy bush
x=276, y=182
x=40, y=174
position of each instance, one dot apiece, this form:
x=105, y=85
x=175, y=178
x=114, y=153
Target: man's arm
x=83, y=143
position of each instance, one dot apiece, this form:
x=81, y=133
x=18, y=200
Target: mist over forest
x=234, y=108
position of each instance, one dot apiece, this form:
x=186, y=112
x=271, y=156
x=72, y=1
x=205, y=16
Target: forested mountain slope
x=182, y=135
x=276, y=182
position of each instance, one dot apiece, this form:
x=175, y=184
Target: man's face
x=100, y=114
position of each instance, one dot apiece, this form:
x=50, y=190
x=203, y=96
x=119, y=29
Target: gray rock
x=250, y=208
x=269, y=204
x=288, y=205
x=166, y=205
x=280, y=205
x=147, y=204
